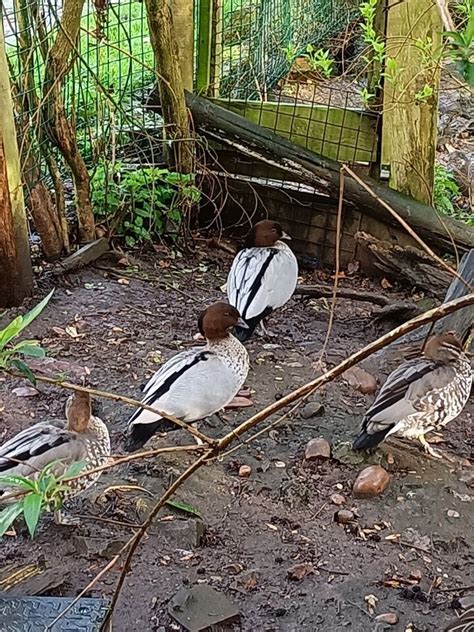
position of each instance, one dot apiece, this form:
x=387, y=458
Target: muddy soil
x=404, y=548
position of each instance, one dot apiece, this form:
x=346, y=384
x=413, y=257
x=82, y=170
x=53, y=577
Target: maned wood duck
x=85, y=438
x=421, y=395
x=263, y=276
x=195, y=383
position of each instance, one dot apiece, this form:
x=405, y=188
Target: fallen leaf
x=360, y=380
x=177, y=504
x=250, y=583
x=72, y=332
x=25, y=391
x=123, y=281
x=385, y=284
x=371, y=601
x=239, y=402
x=299, y=571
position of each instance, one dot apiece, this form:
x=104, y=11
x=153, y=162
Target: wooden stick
x=414, y=323
x=120, y=398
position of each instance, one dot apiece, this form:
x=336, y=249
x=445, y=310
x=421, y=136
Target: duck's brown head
x=445, y=347
x=265, y=234
x=218, y=319
x=78, y=411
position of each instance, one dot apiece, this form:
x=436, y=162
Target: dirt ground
x=404, y=548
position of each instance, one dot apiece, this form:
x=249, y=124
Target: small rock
x=93, y=547
x=467, y=478
x=360, y=380
x=317, y=449
x=344, y=516
x=201, y=607
x=25, y=391
x=312, y=409
x=391, y=618
x=245, y=471
x=372, y=481
x=239, y=402
x=416, y=575
x=299, y=571
x=338, y=499
x=182, y=534
x=412, y=536
x=452, y=514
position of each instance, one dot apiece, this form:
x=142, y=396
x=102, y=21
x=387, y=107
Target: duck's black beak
x=285, y=236
x=241, y=323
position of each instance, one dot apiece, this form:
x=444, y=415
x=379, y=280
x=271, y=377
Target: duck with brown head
x=85, y=439
x=421, y=395
x=195, y=383
x=263, y=275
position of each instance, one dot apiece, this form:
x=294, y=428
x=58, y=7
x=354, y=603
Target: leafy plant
x=141, y=204
x=10, y=355
x=377, y=45
x=424, y=94
x=461, y=48
x=43, y=493
x=290, y=51
x=445, y=190
x=366, y=96
x=319, y=60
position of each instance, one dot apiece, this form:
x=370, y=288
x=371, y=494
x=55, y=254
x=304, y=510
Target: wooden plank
x=409, y=129
x=204, y=50
x=337, y=133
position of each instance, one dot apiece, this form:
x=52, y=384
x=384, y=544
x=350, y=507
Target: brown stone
x=245, y=471
x=344, y=516
x=391, y=618
x=317, y=449
x=372, y=481
x=337, y=499
x=360, y=380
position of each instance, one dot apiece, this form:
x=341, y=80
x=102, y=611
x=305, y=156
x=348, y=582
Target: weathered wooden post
x=411, y=89
x=16, y=277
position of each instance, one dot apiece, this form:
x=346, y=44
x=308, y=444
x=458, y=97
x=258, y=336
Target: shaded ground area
x=403, y=548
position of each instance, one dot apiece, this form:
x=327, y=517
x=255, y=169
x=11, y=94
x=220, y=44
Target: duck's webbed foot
x=428, y=449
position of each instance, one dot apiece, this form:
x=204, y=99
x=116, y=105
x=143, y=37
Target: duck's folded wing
x=249, y=288
x=399, y=396
x=34, y=448
x=190, y=387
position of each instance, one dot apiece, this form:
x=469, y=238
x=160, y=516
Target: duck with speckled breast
x=84, y=439
x=263, y=276
x=423, y=394
x=195, y=383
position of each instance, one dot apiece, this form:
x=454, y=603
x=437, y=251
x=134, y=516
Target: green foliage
x=142, y=204
x=290, y=51
x=377, y=45
x=423, y=95
x=461, y=48
x=11, y=355
x=44, y=493
x=445, y=193
x=319, y=60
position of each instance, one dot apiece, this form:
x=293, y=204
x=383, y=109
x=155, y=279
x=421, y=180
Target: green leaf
x=31, y=511
x=33, y=350
x=10, y=331
x=15, y=480
x=73, y=470
x=24, y=369
x=36, y=311
x=8, y=516
x=177, y=504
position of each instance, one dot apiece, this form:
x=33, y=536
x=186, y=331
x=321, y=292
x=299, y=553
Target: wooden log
x=323, y=173
x=16, y=277
x=326, y=291
x=86, y=254
x=405, y=263
x=461, y=321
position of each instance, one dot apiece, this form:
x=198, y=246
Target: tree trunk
x=170, y=83
x=322, y=173
x=61, y=130
x=16, y=277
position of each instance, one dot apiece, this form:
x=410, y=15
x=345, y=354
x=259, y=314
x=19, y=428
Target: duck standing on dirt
x=195, y=383
x=85, y=439
x=421, y=395
x=263, y=276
